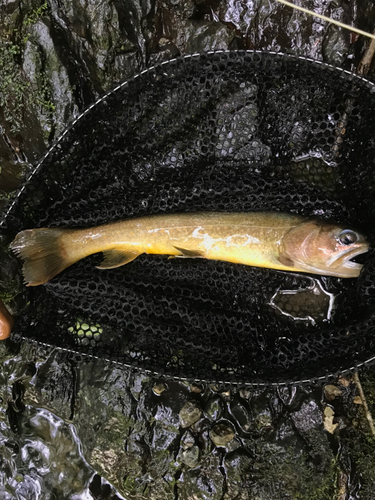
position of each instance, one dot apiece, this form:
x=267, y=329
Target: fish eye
x=347, y=237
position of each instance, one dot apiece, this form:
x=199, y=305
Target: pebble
x=222, y=433
x=196, y=388
x=331, y=392
x=189, y=414
x=241, y=415
x=226, y=395
x=245, y=394
x=190, y=457
x=214, y=408
x=187, y=440
x=159, y=388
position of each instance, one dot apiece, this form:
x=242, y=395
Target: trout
x=262, y=239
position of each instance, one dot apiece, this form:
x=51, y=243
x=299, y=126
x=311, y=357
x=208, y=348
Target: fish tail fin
x=43, y=254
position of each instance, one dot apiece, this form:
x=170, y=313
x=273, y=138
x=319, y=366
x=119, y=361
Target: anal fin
x=188, y=253
x=116, y=258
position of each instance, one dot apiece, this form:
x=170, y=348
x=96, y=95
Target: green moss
x=8, y=295
x=16, y=91
x=282, y=474
x=14, y=88
x=325, y=488
x=368, y=384
x=362, y=453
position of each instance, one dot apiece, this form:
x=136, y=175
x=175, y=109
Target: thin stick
x=342, y=485
x=328, y=19
x=364, y=403
x=364, y=65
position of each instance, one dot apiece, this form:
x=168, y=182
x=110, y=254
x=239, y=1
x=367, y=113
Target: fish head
x=325, y=249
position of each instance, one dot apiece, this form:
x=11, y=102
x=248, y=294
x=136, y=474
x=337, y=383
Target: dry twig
x=364, y=65
x=364, y=403
x=328, y=19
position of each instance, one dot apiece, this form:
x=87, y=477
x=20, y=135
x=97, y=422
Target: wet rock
x=138, y=385
x=226, y=395
x=204, y=440
x=105, y=419
x=18, y=365
x=187, y=440
x=159, y=388
x=166, y=52
x=287, y=394
x=262, y=406
x=189, y=414
x=214, y=408
x=308, y=422
x=285, y=433
x=242, y=416
x=46, y=73
x=12, y=170
x=55, y=385
x=269, y=26
x=264, y=421
x=50, y=448
x=233, y=445
x=245, y=394
x=203, y=37
x=190, y=457
x=238, y=465
x=335, y=47
x=308, y=417
x=164, y=435
x=204, y=482
x=195, y=388
x=280, y=472
x=165, y=430
x=222, y=433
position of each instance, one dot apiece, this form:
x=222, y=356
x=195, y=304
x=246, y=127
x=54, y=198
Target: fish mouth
x=339, y=265
x=342, y=264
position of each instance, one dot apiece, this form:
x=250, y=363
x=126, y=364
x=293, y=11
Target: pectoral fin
x=286, y=261
x=116, y=258
x=189, y=253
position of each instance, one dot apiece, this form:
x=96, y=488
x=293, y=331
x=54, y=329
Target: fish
x=6, y=322
x=275, y=240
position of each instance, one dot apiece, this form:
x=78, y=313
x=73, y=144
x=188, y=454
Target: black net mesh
x=230, y=131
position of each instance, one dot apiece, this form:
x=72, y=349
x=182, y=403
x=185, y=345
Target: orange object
x=6, y=322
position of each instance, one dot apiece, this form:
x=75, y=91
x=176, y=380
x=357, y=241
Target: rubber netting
x=226, y=131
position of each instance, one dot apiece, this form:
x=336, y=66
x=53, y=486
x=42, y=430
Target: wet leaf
x=329, y=415
x=331, y=392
